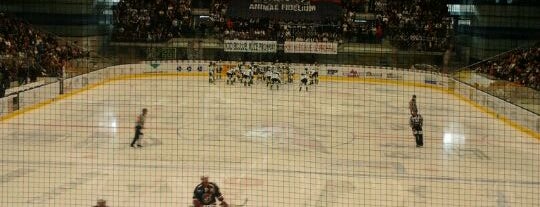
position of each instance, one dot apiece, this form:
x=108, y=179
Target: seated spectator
x=151, y=21
x=416, y=25
x=26, y=52
x=521, y=66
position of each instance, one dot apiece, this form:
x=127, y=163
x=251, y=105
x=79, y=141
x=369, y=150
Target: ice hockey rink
x=340, y=144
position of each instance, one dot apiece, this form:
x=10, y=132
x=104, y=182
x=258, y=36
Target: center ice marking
x=268, y=133
x=285, y=137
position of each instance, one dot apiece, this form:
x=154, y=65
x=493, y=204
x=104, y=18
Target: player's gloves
x=197, y=203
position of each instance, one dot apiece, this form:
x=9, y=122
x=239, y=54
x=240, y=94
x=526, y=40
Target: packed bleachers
x=521, y=66
x=27, y=53
x=415, y=24
x=151, y=21
x=409, y=25
x=131, y=18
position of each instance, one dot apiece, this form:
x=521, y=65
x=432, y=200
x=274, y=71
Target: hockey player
x=314, y=76
x=416, y=122
x=268, y=77
x=212, y=73
x=206, y=193
x=101, y=203
x=304, y=82
x=412, y=105
x=231, y=76
x=290, y=74
x=139, y=125
x=247, y=77
x=219, y=68
x=275, y=80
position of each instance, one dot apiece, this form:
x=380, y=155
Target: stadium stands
x=417, y=25
x=139, y=20
x=27, y=52
x=521, y=66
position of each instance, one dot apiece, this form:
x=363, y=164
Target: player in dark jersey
x=314, y=76
x=416, y=121
x=101, y=203
x=139, y=125
x=206, y=193
x=304, y=82
x=290, y=74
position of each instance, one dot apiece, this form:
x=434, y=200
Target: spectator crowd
x=411, y=25
x=26, y=53
x=423, y=25
x=521, y=66
x=151, y=20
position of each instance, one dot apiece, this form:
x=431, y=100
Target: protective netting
x=274, y=103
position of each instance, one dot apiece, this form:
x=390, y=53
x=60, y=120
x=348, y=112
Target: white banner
x=311, y=47
x=250, y=46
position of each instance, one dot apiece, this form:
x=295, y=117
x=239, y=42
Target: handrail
x=496, y=56
x=499, y=98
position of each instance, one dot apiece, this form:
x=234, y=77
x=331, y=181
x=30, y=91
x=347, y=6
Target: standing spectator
x=3, y=78
x=138, y=128
x=33, y=72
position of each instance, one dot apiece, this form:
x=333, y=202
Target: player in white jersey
x=304, y=82
x=231, y=76
x=275, y=80
x=247, y=77
x=219, y=69
x=212, y=73
x=268, y=77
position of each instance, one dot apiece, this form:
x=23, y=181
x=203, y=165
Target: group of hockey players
x=271, y=75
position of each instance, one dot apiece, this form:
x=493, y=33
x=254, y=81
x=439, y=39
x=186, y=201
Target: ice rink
x=340, y=144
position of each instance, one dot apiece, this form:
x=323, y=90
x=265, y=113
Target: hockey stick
x=231, y=205
x=239, y=205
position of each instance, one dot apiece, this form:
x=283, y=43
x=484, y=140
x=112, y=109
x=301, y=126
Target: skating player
x=139, y=125
x=412, y=105
x=290, y=74
x=314, y=76
x=247, y=77
x=231, y=76
x=101, y=203
x=206, y=193
x=219, y=68
x=276, y=80
x=212, y=73
x=268, y=77
x=416, y=122
x=304, y=82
